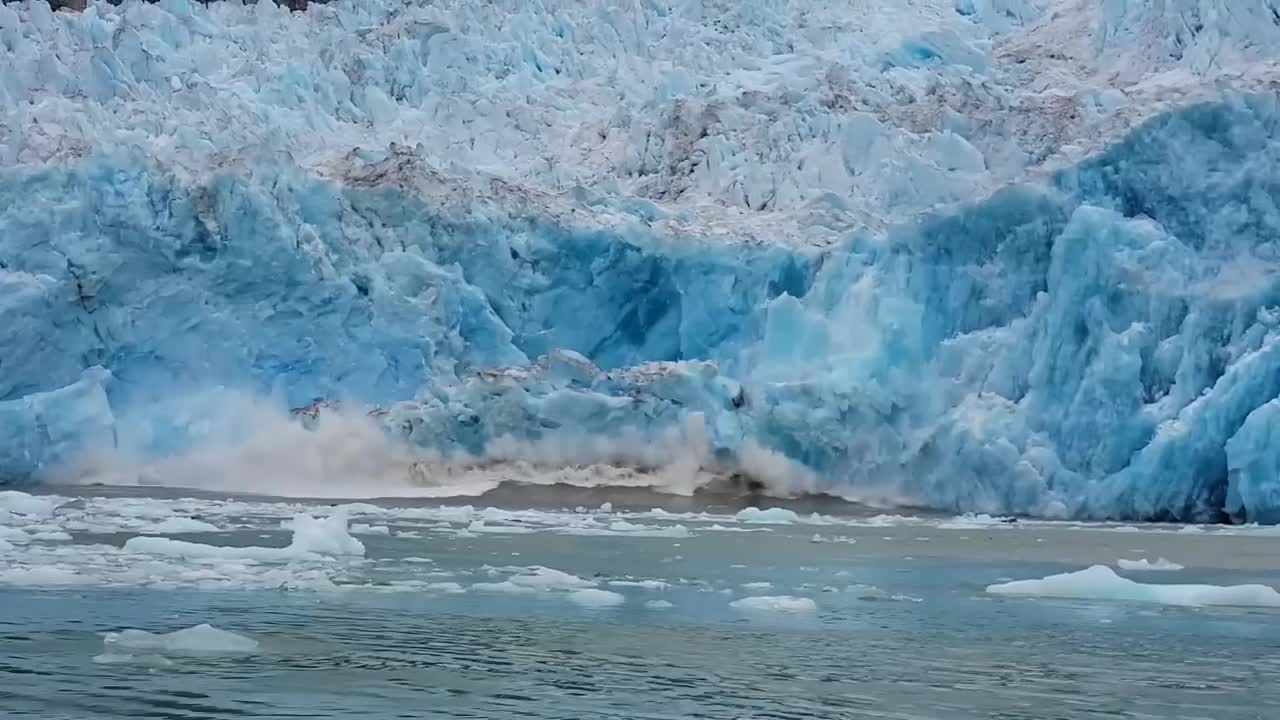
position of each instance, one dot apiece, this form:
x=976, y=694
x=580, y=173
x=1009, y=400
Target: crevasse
x=984, y=317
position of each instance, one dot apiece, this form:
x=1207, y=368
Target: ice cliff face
x=985, y=255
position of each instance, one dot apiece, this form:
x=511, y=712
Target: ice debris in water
x=313, y=538
x=1100, y=582
x=767, y=516
x=365, y=529
x=43, y=576
x=775, y=603
x=536, y=579
x=198, y=640
x=873, y=593
x=976, y=522
x=323, y=535
x=882, y=260
x=180, y=525
x=591, y=597
x=545, y=578
x=1160, y=564
x=37, y=506
x=642, y=584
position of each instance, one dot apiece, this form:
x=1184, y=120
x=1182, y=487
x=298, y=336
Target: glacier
x=996, y=256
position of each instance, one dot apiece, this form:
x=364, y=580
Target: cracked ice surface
x=984, y=255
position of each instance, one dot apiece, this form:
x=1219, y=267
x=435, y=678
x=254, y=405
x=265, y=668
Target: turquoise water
x=900, y=625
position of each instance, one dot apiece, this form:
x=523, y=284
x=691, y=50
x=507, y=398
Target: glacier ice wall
x=966, y=263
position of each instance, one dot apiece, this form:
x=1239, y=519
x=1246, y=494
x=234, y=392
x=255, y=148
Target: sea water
x=171, y=606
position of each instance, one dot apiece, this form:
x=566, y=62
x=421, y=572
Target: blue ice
x=1105, y=344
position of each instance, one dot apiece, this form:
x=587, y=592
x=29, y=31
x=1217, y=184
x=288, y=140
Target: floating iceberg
x=883, y=260
x=1102, y=583
x=767, y=516
x=313, y=539
x=775, y=603
x=594, y=598
x=200, y=639
x=181, y=525
x=1143, y=564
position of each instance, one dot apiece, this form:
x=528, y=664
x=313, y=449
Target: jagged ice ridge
x=984, y=255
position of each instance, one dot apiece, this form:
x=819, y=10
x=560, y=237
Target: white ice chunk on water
x=535, y=579
x=326, y=535
x=313, y=539
x=42, y=576
x=1102, y=583
x=450, y=588
x=873, y=593
x=20, y=503
x=591, y=597
x=189, y=550
x=479, y=526
x=775, y=603
x=642, y=584
x=198, y=640
x=768, y=516
x=545, y=578
x=111, y=657
x=1144, y=564
x=180, y=525
x=506, y=586
x=974, y=522
x=364, y=529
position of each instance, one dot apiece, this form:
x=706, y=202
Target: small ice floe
x=140, y=646
x=595, y=598
x=180, y=525
x=1145, y=565
x=313, y=538
x=775, y=603
x=769, y=516
x=1102, y=583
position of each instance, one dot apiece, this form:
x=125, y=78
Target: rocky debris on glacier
x=987, y=255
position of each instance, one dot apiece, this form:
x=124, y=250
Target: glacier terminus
x=987, y=256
